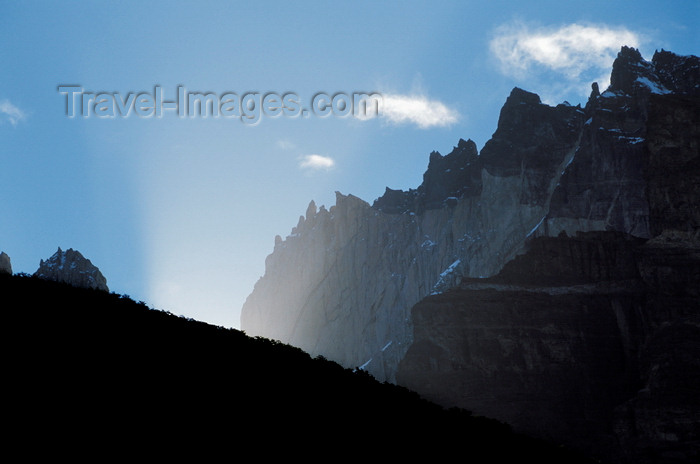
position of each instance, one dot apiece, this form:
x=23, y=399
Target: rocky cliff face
x=591, y=341
x=5, y=263
x=73, y=268
x=343, y=282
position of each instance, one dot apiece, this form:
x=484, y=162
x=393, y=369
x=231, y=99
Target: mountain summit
x=73, y=268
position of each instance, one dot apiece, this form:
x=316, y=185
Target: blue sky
x=180, y=212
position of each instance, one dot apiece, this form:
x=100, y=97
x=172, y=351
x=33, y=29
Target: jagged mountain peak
x=311, y=210
x=447, y=179
x=632, y=74
x=463, y=148
x=520, y=96
x=666, y=73
x=71, y=267
x=348, y=200
x=680, y=73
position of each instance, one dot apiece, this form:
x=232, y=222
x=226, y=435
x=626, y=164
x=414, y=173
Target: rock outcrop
x=73, y=268
x=5, y=264
x=624, y=170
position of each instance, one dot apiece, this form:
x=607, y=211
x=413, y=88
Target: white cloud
x=11, y=112
x=573, y=52
x=316, y=162
x=416, y=109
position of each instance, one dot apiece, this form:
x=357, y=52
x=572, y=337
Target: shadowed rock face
x=5, y=263
x=592, y=341
x=531, y=142
x=672, y=167
x=448, y=178
x=73, y=268
x=638, y=147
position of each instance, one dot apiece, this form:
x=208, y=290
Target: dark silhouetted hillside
x=86, y=371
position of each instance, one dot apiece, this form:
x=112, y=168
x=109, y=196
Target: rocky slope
x=73, y=268
x=342, y=283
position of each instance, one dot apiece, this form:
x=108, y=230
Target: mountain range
x=535, y=300
x=549, y=280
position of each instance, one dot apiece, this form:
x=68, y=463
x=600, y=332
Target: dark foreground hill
x=91, y=374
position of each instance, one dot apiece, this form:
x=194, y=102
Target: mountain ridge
x=545, y=170
x=346, y=282
x=106, y=374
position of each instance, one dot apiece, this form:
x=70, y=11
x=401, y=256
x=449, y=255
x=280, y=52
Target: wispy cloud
x=11, y=112
x=285, y=145
x=418, y=110
x=574, y=51
x=316, y=162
